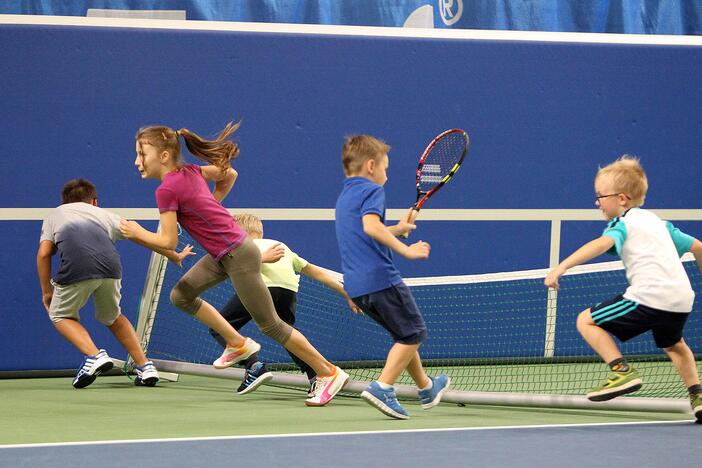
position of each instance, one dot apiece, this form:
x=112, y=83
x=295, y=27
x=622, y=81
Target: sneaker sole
x=148, y=382
x=437, y=400
x=382, y=407
x=697, y=412
x=604, y=395
x=91, y=378
x=219, y=365
x=263, y=378
x=332, y=394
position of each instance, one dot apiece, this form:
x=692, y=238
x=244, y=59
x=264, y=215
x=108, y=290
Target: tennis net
x=495, y=335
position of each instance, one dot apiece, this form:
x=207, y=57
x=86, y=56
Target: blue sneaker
x=91, y=368
x=430, y=398
x=384, y=400
x=255, y=376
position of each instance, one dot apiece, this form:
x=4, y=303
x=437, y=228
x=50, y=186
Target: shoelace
x=250, y=377
x=318, y=387
x=146, y=368
x=87, y=364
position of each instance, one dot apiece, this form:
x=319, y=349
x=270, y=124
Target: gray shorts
x=68, y=299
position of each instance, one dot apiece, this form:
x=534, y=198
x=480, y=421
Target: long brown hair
x=218, y=152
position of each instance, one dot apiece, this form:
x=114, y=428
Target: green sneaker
x=696, y=403
x=617, y=384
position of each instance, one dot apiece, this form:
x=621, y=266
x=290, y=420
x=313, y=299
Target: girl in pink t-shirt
x=184, y=197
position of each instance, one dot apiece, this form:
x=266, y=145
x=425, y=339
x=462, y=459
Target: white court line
x=323, y=434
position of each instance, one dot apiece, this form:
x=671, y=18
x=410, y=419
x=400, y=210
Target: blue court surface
x=655, y=444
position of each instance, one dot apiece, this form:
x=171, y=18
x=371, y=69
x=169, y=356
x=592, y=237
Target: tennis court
x=200, y=421
x=541, y=119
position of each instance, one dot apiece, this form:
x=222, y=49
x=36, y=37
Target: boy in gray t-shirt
x=84, y=236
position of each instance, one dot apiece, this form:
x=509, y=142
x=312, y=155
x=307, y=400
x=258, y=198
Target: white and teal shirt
x=84, y=236
x=285, y=273
x=650, y=249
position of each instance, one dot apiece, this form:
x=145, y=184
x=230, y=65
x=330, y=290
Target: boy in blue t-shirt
x=659, y=297
x=370, y=275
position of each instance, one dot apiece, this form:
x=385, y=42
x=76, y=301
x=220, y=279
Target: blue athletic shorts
x=395, y=310
x=627, y=319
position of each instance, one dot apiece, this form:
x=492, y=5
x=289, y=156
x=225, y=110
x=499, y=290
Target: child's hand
x=418, y=251
x=406, y=224
x=352, y=305
x=182, y=255
x=273, y=253
x=130, y=229
x=46, y=298
x=551, y=279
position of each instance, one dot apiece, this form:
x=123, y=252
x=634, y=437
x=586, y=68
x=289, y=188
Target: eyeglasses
x=599, y=197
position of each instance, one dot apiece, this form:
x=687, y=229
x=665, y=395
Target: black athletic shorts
x=627, y=319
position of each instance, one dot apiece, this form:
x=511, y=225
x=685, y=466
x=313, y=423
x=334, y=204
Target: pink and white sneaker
x=231, y=356
x=325, y=388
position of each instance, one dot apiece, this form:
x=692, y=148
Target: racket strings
x=441, y=160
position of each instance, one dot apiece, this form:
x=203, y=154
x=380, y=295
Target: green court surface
x=50, y=410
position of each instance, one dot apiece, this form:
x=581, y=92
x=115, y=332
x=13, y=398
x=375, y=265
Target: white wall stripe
x=372, y=31
x=327, y=214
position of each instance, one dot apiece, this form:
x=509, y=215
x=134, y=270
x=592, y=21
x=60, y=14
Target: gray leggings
x=243, y=266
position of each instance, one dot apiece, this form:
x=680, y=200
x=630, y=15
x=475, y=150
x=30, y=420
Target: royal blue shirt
x=367, y=265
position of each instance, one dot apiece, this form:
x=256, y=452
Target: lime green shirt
x=285, y=273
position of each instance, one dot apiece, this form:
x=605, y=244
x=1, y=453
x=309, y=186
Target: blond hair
x=628, y=177
x=358, y=149
x=250, y=223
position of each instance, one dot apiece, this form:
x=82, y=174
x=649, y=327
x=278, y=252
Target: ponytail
x=218, y=152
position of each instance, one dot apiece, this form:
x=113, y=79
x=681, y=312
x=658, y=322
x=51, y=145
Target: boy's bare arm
x=316, y=273
x=373, y=227
x=696, y=250
x=592, y=249
x=44, y=254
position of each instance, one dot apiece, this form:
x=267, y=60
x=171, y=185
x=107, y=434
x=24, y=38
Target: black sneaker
x=255, y=376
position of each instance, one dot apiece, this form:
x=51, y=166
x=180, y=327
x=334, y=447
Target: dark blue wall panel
x=542, y=117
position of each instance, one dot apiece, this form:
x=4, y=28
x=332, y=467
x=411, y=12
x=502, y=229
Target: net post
x=552, y=302
x=148, y=303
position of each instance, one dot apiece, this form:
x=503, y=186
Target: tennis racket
x=439, y=163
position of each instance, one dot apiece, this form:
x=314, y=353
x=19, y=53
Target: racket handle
x=411, y=220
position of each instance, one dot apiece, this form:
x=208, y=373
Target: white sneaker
x=231, y=356
x=147, y=375
x=325, y=388
x=91, y=368
x=310, y=391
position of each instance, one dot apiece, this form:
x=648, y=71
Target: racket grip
x=411, y=220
